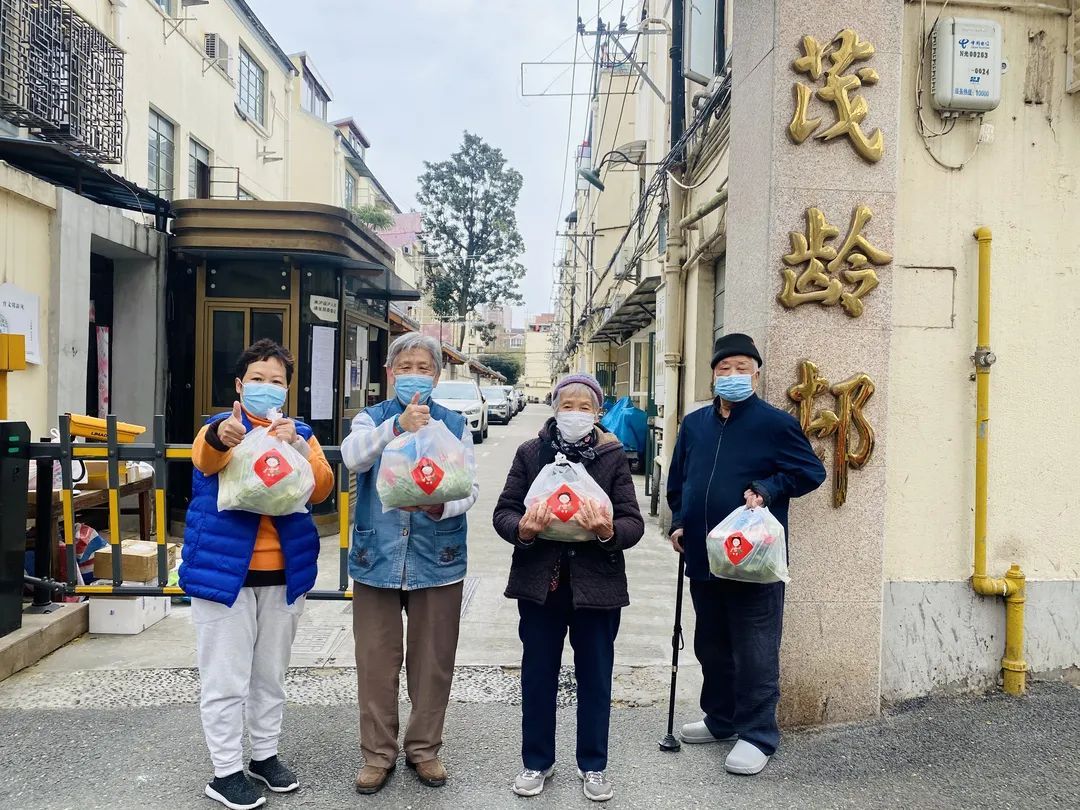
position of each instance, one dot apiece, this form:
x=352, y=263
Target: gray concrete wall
x=80, y=228
x=69, y=303
x=939, y=636
x=138, y=351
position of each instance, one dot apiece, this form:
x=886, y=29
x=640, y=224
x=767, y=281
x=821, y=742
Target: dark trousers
x=737, y=642
x=592, y=635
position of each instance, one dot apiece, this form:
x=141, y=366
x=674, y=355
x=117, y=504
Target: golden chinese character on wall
x=827, y=271
x=851, y=396
x=849, y=110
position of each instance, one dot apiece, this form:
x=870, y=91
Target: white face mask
x=574, y=425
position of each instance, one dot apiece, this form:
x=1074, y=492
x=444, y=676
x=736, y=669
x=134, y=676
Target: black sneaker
x=275, y=775
x=236, y=792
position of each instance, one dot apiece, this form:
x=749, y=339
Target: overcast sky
x=416, y=73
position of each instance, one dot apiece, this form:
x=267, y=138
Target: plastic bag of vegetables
x=748, y=546
x=424, y=468
x=266, y=476
x=563, y=484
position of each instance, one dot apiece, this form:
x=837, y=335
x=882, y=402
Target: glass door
x=229, y=329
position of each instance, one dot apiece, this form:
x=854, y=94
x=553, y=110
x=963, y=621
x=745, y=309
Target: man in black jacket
x=741, y=451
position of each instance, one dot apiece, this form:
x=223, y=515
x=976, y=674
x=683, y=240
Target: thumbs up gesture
x=415, y=416
x=232, y=431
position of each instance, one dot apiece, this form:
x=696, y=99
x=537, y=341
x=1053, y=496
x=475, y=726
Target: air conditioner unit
x=216, y=48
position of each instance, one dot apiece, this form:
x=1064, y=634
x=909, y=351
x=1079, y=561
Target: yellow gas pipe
x=1012, y=585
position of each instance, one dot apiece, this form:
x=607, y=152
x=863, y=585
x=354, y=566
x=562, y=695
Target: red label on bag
x=427, y=475
x=272, y=467
x=737, y=547
x=564, y=502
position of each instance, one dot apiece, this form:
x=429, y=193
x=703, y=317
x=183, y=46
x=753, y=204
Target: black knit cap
x=735, y=344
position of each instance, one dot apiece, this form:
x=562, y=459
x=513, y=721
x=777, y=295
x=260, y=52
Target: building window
x=704, y=39
x=243, y=194
x=358, y=145
x=198, y=171
x=313, y=98
x=720, y=271
x=350, y=191
x=251, y=87
x=161, y=156
x=166, y=6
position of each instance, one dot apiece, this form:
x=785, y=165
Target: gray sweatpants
x=243, y=652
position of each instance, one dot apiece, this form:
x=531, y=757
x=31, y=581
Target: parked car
x=522, y=399
x=517, y=398
x=513, y=396
x=464, y=396
x=500, y=407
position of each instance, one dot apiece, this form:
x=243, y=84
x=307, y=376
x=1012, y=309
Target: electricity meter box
x=965, y=67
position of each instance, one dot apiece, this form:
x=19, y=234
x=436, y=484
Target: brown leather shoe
x=431, y=772
x=372, y=779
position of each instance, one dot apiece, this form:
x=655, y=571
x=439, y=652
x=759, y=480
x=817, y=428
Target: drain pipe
x=1013, y=585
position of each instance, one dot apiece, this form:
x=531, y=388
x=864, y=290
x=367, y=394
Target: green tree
x=486, y=332
x=507, y=365
x=378, y=218
x=470, y=229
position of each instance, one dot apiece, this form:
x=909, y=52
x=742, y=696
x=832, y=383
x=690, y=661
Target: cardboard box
x=97, y=475
x=127, y=615
x=138, y=558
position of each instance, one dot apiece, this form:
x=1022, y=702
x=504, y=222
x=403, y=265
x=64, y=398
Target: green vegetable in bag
x=425, y=468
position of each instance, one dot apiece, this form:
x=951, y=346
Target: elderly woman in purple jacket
x=578, y=588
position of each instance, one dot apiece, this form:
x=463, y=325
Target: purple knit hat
x=588, y=380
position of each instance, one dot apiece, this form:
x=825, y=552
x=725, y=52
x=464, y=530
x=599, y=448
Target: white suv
x=464, y=397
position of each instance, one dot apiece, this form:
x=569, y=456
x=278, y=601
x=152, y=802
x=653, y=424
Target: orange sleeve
x=324, y=475
x=209, y=460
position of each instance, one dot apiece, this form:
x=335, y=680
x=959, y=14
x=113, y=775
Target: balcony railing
x=62, y=78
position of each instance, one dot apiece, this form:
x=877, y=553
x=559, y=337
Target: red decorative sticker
x=737, y=547
x=564, y=502
x=272, y=467
x=427, y=475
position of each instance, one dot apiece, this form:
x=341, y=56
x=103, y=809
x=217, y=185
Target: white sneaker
x=698, y=733
x=746, y=759
x=595, y=785
x=530, y=782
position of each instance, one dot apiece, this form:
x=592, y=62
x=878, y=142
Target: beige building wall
x=1025, y=186
x=167, y=71
x=27, y=208
x=536, y=376
x=316, y=162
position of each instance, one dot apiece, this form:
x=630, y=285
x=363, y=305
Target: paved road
x=991, y=752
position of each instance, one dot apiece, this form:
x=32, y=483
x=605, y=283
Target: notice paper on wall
x=322, y=372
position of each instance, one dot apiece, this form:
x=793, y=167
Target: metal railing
x=160, y=454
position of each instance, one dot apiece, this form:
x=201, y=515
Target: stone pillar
x=832, y=640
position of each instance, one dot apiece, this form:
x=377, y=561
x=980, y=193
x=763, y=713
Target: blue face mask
x=735, y=388
x=261, y=398
x=408, y=385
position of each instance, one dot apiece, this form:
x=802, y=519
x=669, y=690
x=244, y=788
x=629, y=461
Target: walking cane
x=670, y=742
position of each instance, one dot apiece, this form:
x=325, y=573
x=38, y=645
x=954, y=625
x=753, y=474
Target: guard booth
x=309, y=276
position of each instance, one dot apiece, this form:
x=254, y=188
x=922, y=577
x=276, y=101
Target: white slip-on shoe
x=698, y=734
x=746, y=759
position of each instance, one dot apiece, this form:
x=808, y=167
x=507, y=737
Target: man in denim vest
x=412, y=559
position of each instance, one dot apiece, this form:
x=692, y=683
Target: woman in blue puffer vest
x=247, y=575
